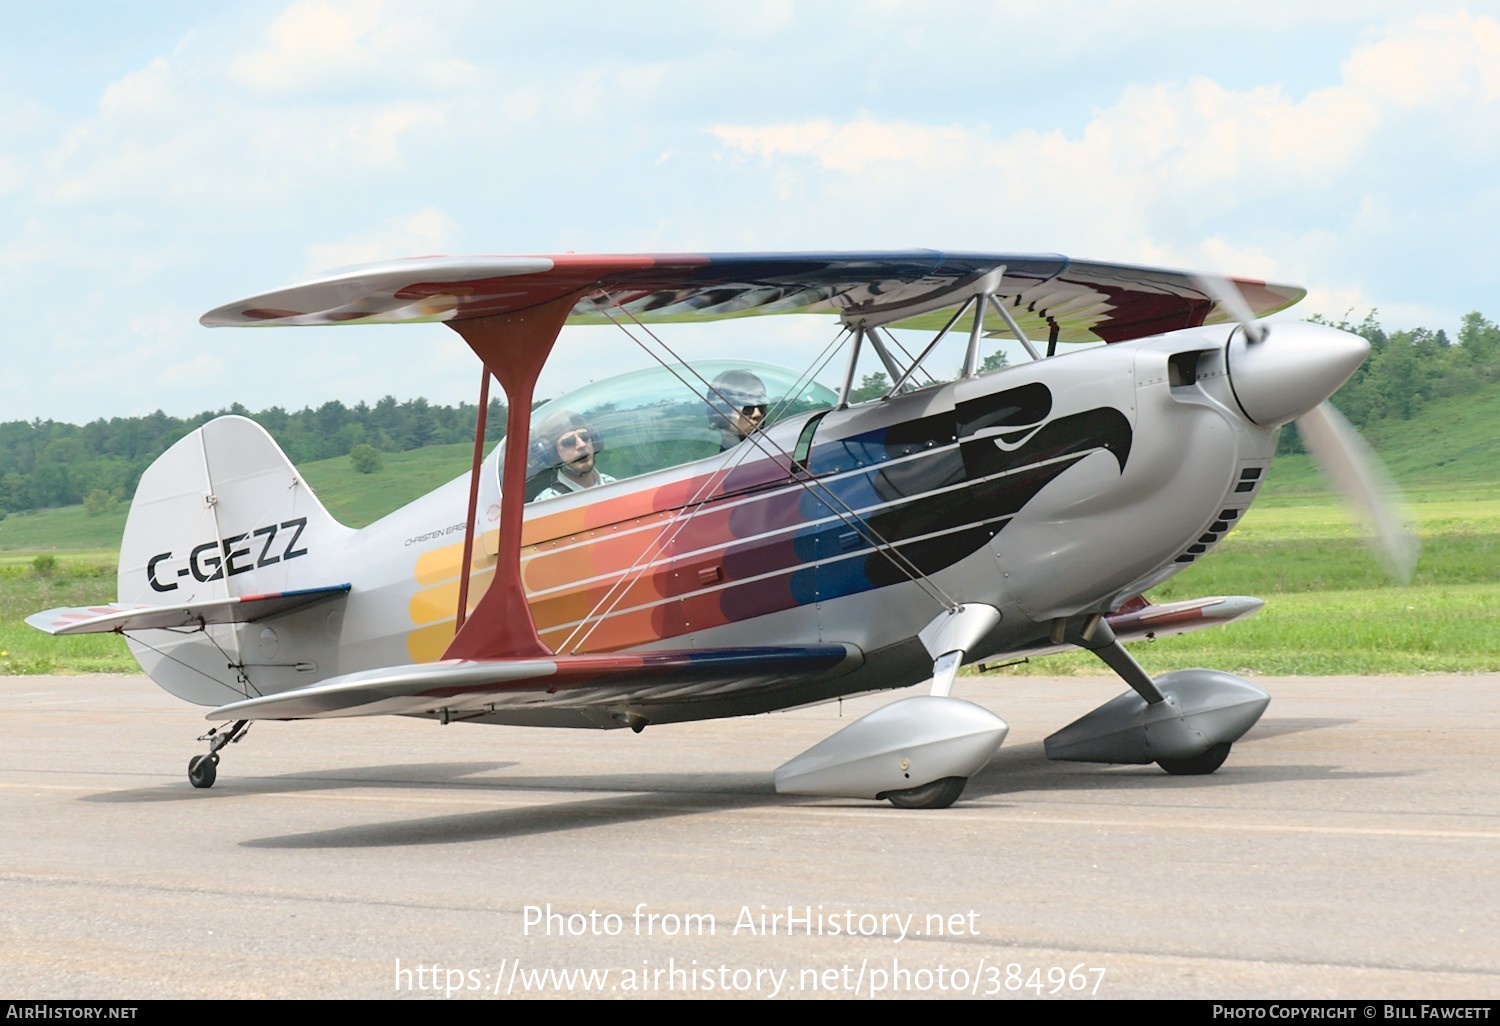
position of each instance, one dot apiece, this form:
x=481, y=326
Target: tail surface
x=221, y=513
x=224, y=530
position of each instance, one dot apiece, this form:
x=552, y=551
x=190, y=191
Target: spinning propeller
x=1281, y=374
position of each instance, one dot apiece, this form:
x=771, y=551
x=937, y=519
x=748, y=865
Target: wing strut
x=514, y=347
x=479, y=426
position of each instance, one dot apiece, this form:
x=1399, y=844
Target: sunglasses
x=575, y=440
x=750, y=410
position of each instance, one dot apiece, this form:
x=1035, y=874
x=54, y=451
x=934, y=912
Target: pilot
x=736, y=406
x=568, y=444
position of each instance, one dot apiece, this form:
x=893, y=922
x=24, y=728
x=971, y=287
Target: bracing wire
x=669, y=531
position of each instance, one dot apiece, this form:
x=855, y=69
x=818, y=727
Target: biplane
x=978, y=507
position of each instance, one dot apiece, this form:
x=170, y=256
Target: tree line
x=45, y=463
x=1407, y=370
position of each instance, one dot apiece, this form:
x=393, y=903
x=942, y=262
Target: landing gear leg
x=1184, y=721
x=917, y=753
x=946, y=639
x=204, y=769
x=1114, y=655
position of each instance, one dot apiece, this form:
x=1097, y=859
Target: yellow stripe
x=433, y=604
x=443, y=564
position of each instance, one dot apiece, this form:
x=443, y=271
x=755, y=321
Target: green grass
x=1357, y=632
x=73, y=582
x=1451, y=444
x=359, y=499
x=69, y=529
x=354, y=499
x=86, y=550
x=1329, y=607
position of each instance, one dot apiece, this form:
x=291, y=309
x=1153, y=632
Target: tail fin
x=220, y=515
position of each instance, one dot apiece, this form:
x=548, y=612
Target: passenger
x=568, y=444
x=736, y=406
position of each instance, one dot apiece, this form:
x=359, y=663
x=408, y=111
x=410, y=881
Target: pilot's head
x=569, y=443
x=736, y=403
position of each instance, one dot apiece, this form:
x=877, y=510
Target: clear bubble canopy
x=663, y=416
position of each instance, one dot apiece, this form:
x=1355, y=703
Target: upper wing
x=461, y=688
x=1051, y=297
x=115, y=616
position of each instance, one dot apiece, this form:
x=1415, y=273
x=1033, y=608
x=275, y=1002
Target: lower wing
x=465, y=689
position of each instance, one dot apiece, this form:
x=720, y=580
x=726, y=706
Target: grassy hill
x=1452, y=445
x=358, y=499
x=353, y=498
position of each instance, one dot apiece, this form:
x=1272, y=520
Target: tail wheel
x=203, y=770
x=1198, y=765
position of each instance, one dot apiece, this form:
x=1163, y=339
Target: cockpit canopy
x=661, y=417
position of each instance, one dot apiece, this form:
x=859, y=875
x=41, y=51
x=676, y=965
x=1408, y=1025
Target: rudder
x=223, y=513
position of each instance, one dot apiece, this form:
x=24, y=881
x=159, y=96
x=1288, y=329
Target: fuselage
x=1047, y=490
x=827, y=553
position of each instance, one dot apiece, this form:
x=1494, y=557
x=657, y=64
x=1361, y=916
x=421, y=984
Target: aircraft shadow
x=642, y=797
x=587, y=814
x=1026, y=768
x=428, y=774
x=1283, y=727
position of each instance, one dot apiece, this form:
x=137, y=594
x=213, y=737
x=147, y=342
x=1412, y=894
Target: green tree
x=1480, y=339
x=366, y=458
x=417, y=424
x=871, y=386
x=98, y=502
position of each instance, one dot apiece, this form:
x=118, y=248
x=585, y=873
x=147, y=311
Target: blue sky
x=161, y=158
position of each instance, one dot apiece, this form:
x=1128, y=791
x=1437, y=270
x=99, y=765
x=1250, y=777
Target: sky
x=160, y=158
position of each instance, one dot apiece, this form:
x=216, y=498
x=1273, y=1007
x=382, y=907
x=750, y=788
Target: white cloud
x=195, y=372
x=338, y=93
x=323, y=44
x=1168, y=168
x=1437, y=62
x=1308, y=143
x=214, y=147
x=12, y=175
x=428, y=231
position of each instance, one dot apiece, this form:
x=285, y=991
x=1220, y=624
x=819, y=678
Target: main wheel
x=202, y=770
x=1198, y=765
x=937, y=795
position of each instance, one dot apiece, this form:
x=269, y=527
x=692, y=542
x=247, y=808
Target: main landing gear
x=203, y=770
x=917, y=753
x=1197, y=765
x=937, y=795
x=1184, y=721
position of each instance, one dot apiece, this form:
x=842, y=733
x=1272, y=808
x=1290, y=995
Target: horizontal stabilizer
x=1170, y=618
x=1141, y=620
x=118, y=617
x=472, y=686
